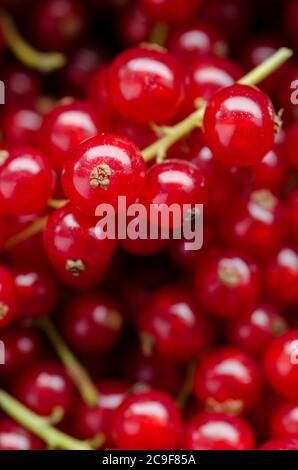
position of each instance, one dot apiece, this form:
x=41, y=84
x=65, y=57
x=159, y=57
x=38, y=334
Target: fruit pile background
x=142, y=344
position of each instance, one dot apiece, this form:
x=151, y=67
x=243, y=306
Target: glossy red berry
x=172, y=327
x=21, y=125
x=100, y=170
x=281, y=277
x=97, y=91
x=228, y=380
x=36, y=291
x=146, y=84
x=76, y=247
x=226, y=283
x=66, y=126
x=147, y=420
x=284, y=443
x=271, y=172
x=171, y=11
x=239, y=125
x=44, y=388
x=281, y=365
x=284, y=420
x=15, y=437
x=194, y=41
x=8, y=297
x=256, y=224
x=92, y=323
x=253, y=330
x=218, y=431
x=22, y=345
x=173, y=182
x=26, y=181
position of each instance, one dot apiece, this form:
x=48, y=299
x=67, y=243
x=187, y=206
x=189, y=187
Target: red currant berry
x=292, y=215
x=171, y=11
x=134, y=25
x=255, y=328
x=248, y=115
x=208, y=75
x=256, y=224
x=14, y=437
x=36, y=290
x=146, y=84
x=147, y=420
x=290, y=146
x=226, y=283
x=172, y=327
x=227, y=380
x=284, y=420
x=97, y=91
x=22, y=86
x=92, y=323
x=194, y=41
x=44, y=388
x=8, y=297
x=284, y=443
x=22, y=345
x=173, y=182
x=281, y=365
x=75, y=246
x=59, y=24
x=21, y=125
x=26, y=182
x=66, y=126
x=142, y=246
x=100, y=170
x=218, y=431
x=281, y=280
x=271, y=172
x=90, y=421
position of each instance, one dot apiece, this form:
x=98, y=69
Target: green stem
x=43, y=61
x=175, y=133
x=75, y=370
x=54, y=438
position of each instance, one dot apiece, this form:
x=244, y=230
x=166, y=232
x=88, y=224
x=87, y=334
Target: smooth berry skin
x=26, y=182
x=21, y=125
x=36, y=291
x=92, y=323
x=228, y=380
x=290, y=145
x=284, y=420
x=227, y=282
x=281, y=277
x=8, y=297
x=253, y=331
x=22, y=87
x=248, y=114
x=44, y=387
x=15, y=437
x=146, y=85
x=100, y=170
x=22, y=346
x=97, y=91
x=256, y=225
x=271, y=172
x=173, y=182
x=134, y=25
x=76, y=248
x=59, y=24
x=292, y=216
x=206, y=76
x=285, y=443
x=89, y=421
x=194, y=41
x=66, y=126
x=174, y=325
x=281, y=365
x=171, y=11
x=147, y=420
x=218, y=431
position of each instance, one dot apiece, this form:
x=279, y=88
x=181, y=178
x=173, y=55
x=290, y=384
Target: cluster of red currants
x=187, y=349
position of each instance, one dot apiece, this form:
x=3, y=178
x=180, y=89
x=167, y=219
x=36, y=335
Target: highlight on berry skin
x=148, y=227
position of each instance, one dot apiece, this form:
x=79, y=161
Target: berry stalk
x=41, y=61
x=75, y=370
x=175, y=133
x=39, y=426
